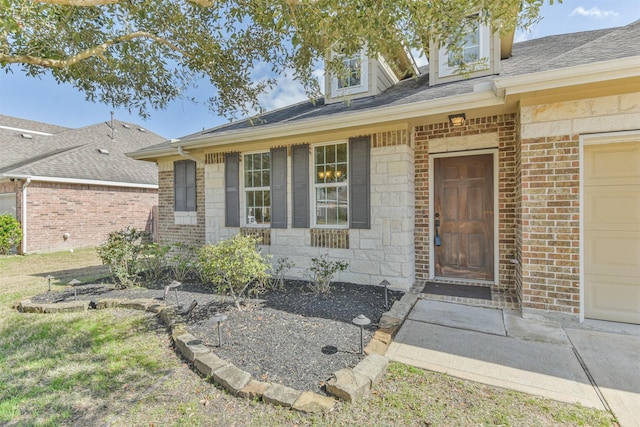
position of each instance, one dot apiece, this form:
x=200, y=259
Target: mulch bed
x=288, y=336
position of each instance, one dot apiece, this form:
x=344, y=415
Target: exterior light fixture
x=49, y=279
x=75, y=283
x=361, y=321
x=457, y=119
x=219, y=318
x=173, y=285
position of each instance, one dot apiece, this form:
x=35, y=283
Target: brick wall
x=550, y=194
x=169, y=230
x=473, y=135
x=550, y=223
x=86, y=213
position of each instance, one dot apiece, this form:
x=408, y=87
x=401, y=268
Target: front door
x=463, y=217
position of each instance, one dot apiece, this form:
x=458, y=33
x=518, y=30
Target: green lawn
x=116, y=367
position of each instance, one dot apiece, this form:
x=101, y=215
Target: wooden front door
x=463, y=217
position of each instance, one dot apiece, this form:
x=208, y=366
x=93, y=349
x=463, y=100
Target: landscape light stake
x=73, y=283
x=219, y=318
x=49, y=278
x=361, y=321
x=386, y=294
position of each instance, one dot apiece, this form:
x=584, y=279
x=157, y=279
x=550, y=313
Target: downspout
x=187, y=155
x=24, y=214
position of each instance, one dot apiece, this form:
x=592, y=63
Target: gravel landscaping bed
x=288, y=336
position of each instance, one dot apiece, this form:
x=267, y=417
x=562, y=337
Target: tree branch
x=94, y=51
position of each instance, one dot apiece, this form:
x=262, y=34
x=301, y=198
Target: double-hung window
x=331, y=185
x=356, y=78
x=184, y=186
x=472, y=53
x=257, y=188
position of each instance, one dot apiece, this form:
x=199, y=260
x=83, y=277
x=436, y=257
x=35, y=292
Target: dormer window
x=356, y=78
x=472, y=53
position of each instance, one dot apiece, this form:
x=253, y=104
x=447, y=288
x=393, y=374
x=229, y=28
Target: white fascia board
x=376, y=116
x=571, y=76
x=82, y=181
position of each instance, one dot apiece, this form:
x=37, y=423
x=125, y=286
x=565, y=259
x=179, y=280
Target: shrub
x=153, y=262
x=10, y=233
x=121, y=254
x=322, y=271
x=183, y=262
x=235, y=266
x=279, y=271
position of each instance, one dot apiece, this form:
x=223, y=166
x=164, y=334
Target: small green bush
x=121, y=253
x=153, y=262
x=279, y=271
x=10, y=233
x=235, y=266
x=321, y=272
x=183, y=262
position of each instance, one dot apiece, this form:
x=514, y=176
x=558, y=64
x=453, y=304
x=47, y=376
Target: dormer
x=367, y=76
x=477, y=54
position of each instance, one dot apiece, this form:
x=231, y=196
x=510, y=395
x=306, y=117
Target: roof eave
x=78, y=181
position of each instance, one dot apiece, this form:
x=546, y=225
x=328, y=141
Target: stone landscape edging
x=347, y=384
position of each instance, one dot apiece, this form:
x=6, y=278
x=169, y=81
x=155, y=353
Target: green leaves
x=10, y=233
x=141, y=54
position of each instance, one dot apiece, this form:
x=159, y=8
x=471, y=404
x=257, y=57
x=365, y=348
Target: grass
x=115, y=367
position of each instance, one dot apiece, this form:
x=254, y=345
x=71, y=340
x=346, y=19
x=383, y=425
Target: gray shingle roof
x=547, y=53
x=30, y=125
x=74, y=154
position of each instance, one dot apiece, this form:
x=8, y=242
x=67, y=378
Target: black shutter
x=359, y=182
x=232, y=190
x=279, y=187
x=179, y=186
x=300, y=185
x=190, y=185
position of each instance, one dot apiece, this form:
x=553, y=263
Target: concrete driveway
x=595, y=363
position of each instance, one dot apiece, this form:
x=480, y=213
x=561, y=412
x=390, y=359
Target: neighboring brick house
x=523, y=175
x=70, y=187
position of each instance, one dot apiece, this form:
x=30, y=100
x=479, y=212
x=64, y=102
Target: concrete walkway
x=595, y=363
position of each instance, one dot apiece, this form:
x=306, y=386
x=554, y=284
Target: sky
x=43, y=100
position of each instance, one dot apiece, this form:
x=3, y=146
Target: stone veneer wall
x=171, y=228
x=476, y=129
x=88, y=213
x=550, y=156
x=383, y=252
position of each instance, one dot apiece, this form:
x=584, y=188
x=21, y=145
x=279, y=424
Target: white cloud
x=594, y=12
x=288, y=91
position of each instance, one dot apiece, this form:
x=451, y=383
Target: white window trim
x=364, y=78
x=484, y=46
x=313, y=186
x=244, y=220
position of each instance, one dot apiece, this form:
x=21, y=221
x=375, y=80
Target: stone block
x=278, y=394
x=67, y=307
x=376, y=346
x=373, y=367
x=387, y=321
x=27, y=306
x=207, y=363
x=156, y=307
x=314, y=403
x=189, y=346
x=348, y=385
x=107, y=303
x=232, y=378
x=253, y=390
x=136, y=304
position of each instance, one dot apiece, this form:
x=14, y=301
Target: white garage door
x=8, y=204
x=612, y=232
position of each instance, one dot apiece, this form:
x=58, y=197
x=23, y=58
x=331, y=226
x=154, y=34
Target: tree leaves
x=141, y=54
